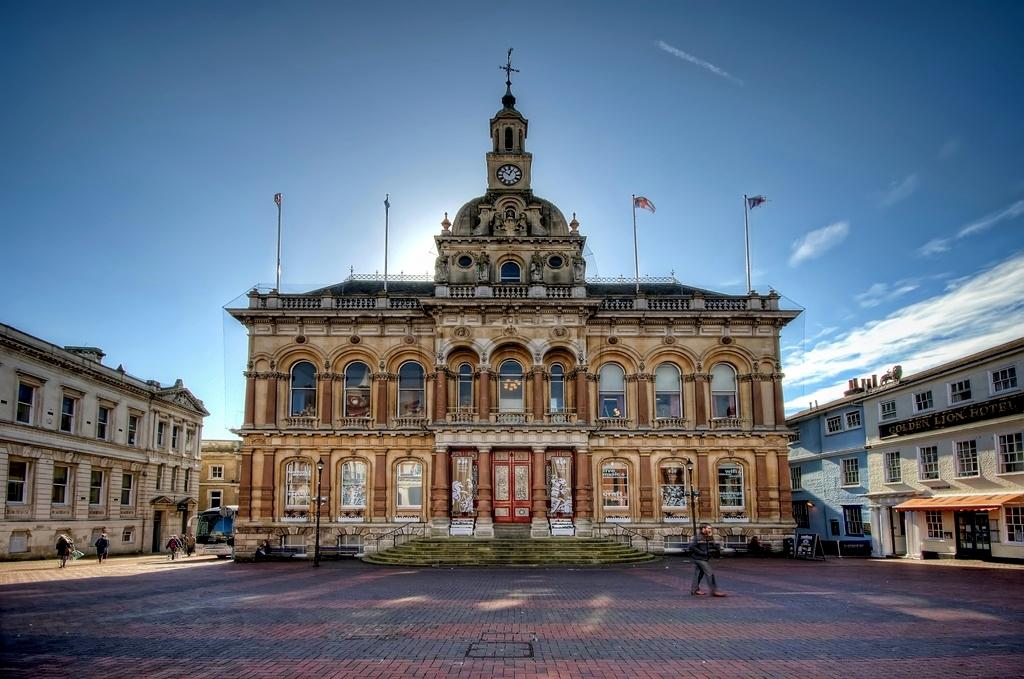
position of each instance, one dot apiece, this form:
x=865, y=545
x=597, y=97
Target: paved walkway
x=206, y=618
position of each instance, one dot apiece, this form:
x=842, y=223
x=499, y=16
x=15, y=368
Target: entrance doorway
x=511, y=487
x=898, y=531
x=158, y=519
x=972, y=535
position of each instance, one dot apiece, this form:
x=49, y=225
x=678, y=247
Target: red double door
x=511, y=486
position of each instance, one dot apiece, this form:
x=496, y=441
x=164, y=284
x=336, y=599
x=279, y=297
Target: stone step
x=441, y=552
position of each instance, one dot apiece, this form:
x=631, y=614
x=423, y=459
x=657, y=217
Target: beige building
x=219, y=473
x=511, y=393
x=87, y=449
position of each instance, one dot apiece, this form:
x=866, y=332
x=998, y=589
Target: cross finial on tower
x=508, y=101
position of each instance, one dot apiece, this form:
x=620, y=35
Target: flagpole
x=746, y=239
x=278, y=287
x=636, y=258
x=387, y=208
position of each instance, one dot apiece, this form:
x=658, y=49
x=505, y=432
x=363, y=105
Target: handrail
x=396, y=532
x=618, y=528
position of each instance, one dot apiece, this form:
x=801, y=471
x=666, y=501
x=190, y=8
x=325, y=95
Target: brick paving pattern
x=844, y=618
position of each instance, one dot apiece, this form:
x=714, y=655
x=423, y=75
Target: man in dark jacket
x=102, y=547
x=700, y=551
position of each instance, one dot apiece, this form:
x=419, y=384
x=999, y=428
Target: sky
x=143, y=144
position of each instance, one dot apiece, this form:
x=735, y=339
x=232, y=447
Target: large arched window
x=409, y=485
x=612, y=391
x=511, y=273
x=411, y=392
x=353, y=485
x=510, y=387
x=303, y=389
x=298, y=476
x=673, y=485
x=465, y=387
x=668, y=394
x=357, y=390
x=723, y=391
x=557, y=388
x=614, y=485
x=730, y=487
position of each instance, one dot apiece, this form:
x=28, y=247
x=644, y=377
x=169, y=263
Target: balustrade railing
x=671, y=304
x=511, y=291
x=671, y=423
x=301, y=422
x=461, y=415
x=410, y=422
x=352, y=423
x=301, y=302
x=462, y=291
x=725, y=304
x=618, y=304
x=564, y=416
x=511, y=416
x=613, y=423
x=558, y=291
x=355, y=303
x=726, y=423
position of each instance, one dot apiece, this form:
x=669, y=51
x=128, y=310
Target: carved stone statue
x=536, y=269
x=579, y=269
x=441, y=268
x=483, y=268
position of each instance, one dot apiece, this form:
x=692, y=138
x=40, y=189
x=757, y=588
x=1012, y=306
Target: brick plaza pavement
x=851, y=618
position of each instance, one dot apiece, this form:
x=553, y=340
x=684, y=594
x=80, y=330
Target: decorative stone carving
x=536, y=269
x=559, y=332
x=461, y=331
x=579, y=269
x=441, y=269
x=483, y=268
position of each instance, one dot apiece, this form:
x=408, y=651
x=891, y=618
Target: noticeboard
x=808, y=546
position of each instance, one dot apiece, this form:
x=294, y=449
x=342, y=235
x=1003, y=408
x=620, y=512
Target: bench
x=338, y=551
x=285, y=553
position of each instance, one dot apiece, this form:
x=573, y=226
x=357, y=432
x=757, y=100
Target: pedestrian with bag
x=64, y=548
x=102, y=547
x=173, y=545
x=189, y=543
x=701, y=547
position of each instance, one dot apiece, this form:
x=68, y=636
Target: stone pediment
x=511, y=214
x=181, y=396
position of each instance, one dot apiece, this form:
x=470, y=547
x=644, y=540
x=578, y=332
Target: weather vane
x=508, y=69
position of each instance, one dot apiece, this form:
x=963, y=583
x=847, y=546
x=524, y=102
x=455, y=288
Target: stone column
x=763, y=511
x=538, y=393
x=780, y=406
x=268, y=492
x=539, y=496
x=484, y=397
x=248, y=419
x=583, y=502
x=441, y=487
x=441, y=394
x=380, y=487
x=704, y=486
x=643, y=387
x=380, y=383
x=270, y=415
x=700, y=399
x=756, y=400
x=582, y=398
x=646, y=487
x=746, y=397
x=325, y=488
x=484, y=520
x=245, y=487
x=325, y=382
x=785, y=489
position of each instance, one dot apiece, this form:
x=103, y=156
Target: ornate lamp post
x=319, y=503
x=693, y=494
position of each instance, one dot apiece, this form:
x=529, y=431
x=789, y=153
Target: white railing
x=617, y=304
x=301, y=422
x=510, y=417
x=511, y=291
x=671, y=423
x=673, y=304
x=462, y=291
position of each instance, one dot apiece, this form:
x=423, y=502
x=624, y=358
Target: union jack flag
x=643, y=203
x=754, y=201
x=277, y=199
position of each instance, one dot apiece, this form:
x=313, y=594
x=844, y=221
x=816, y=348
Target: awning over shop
x=956, y=502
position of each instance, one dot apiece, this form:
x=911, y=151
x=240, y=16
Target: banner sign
x=986, y=410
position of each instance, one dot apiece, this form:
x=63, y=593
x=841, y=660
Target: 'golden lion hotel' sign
x=987, y=410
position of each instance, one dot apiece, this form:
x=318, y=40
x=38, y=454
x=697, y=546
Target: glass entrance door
x=512, y=487
x=972, y=535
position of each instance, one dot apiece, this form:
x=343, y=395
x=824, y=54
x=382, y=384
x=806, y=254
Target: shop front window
x=353, y=485
x=673, y=486
x=298, y=495
x=730, y=487
x=410, y=485
x=615, y=486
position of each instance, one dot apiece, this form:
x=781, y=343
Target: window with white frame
x=102, y=421
x=928, y=463
x=834, y=424
x=68, y=406
x=796, y=478
x=412, y=395
x=556, y=388
x=887, y=410
x=1004, y=379
x=510, y=272
x=186, y=474
x=133, y=429
x=409, y=485
x=853, y=419
x=923, y=401
x=893, y=467
x=933, y=522
x=26, y=403
x=127, y=488
x=61, y=476
x=17, y=482
x=614, y=485
x=216, y=498
x=853, y=519
x=966, y=458
x=161, y=434
x=353, y=484
x=673, y=485
x=128, y=534
x=298, y=475
x=723, y=391
x=216, y=472
x=959, y=391
x=1014, y=524
x=730, y=486
x=96, y=487
x=851, y=472
x=1010, y=450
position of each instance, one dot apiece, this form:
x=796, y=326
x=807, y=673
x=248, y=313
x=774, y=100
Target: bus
x=215, y=531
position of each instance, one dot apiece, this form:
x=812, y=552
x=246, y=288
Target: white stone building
x=86, y=449
x=946, y=460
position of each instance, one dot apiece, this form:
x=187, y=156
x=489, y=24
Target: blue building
x=829, y=474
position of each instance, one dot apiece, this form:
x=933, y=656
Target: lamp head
x=320, y=465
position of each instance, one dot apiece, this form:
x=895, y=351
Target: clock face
x=509, y=174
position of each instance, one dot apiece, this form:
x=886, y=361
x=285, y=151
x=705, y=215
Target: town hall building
x=512, y=394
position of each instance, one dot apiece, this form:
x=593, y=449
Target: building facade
x=829, y=475
x=86, y=449
x=510, y=392
x=946, y=459
x=220, y=469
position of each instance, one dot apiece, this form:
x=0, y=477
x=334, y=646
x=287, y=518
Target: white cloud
x=697, y=61
x=879, y=293
x=817, y=242
x=933, y=247
x=939, y=245
x=978, y=312
x=899, y=190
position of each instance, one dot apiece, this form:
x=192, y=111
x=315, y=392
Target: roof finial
x=508, y=101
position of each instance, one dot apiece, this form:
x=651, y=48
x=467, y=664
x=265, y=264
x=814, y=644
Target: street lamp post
x=319, y=503
x=693, y=494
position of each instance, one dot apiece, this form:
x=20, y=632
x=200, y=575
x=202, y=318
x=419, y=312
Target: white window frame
x=1010, y=378
x=106, y=424
x=955, y=391
x=176, y=437
x=626, y=480
x=853, y=420
x=921, y=474
x=215, y=495
x=885, y=412
x=1014, y=520
x=26, y=482
x=934, y=524
x=75, y=401
x=888, y=459
x=961, y=450
x=833, y=424
x=924, y=395
x=66, y=485
x=345, y=496
x=796, y=477
x=161, y=434
x=398, y=485
x=130, y=488
x=1016, y=441
x=132, y=435
x=851, y=469
x=216, y=472
x=128, y=535
x=33, y=392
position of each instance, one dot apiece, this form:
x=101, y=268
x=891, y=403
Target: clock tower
x=508, y=163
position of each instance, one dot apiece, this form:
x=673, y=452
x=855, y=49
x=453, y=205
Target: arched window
x=614, y=485
x=357, y=390
x=298, y=476
x=303, y=389
x=673, y=485
x=668, y=394
x=409, y=485
x=353, y=485
x=612, y=391
x=508, y=138
x=510, y=272
x=465, y=386
x=723, y=391
x=510, y=387
x=557, y=388
x=411, y=393
x=730, y=486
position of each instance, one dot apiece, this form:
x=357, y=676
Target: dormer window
x=510, y=273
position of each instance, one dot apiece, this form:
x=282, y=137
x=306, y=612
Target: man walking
x=102, y=547
x=700, y=552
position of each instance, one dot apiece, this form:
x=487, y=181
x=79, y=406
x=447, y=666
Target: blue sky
x=143, y=146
